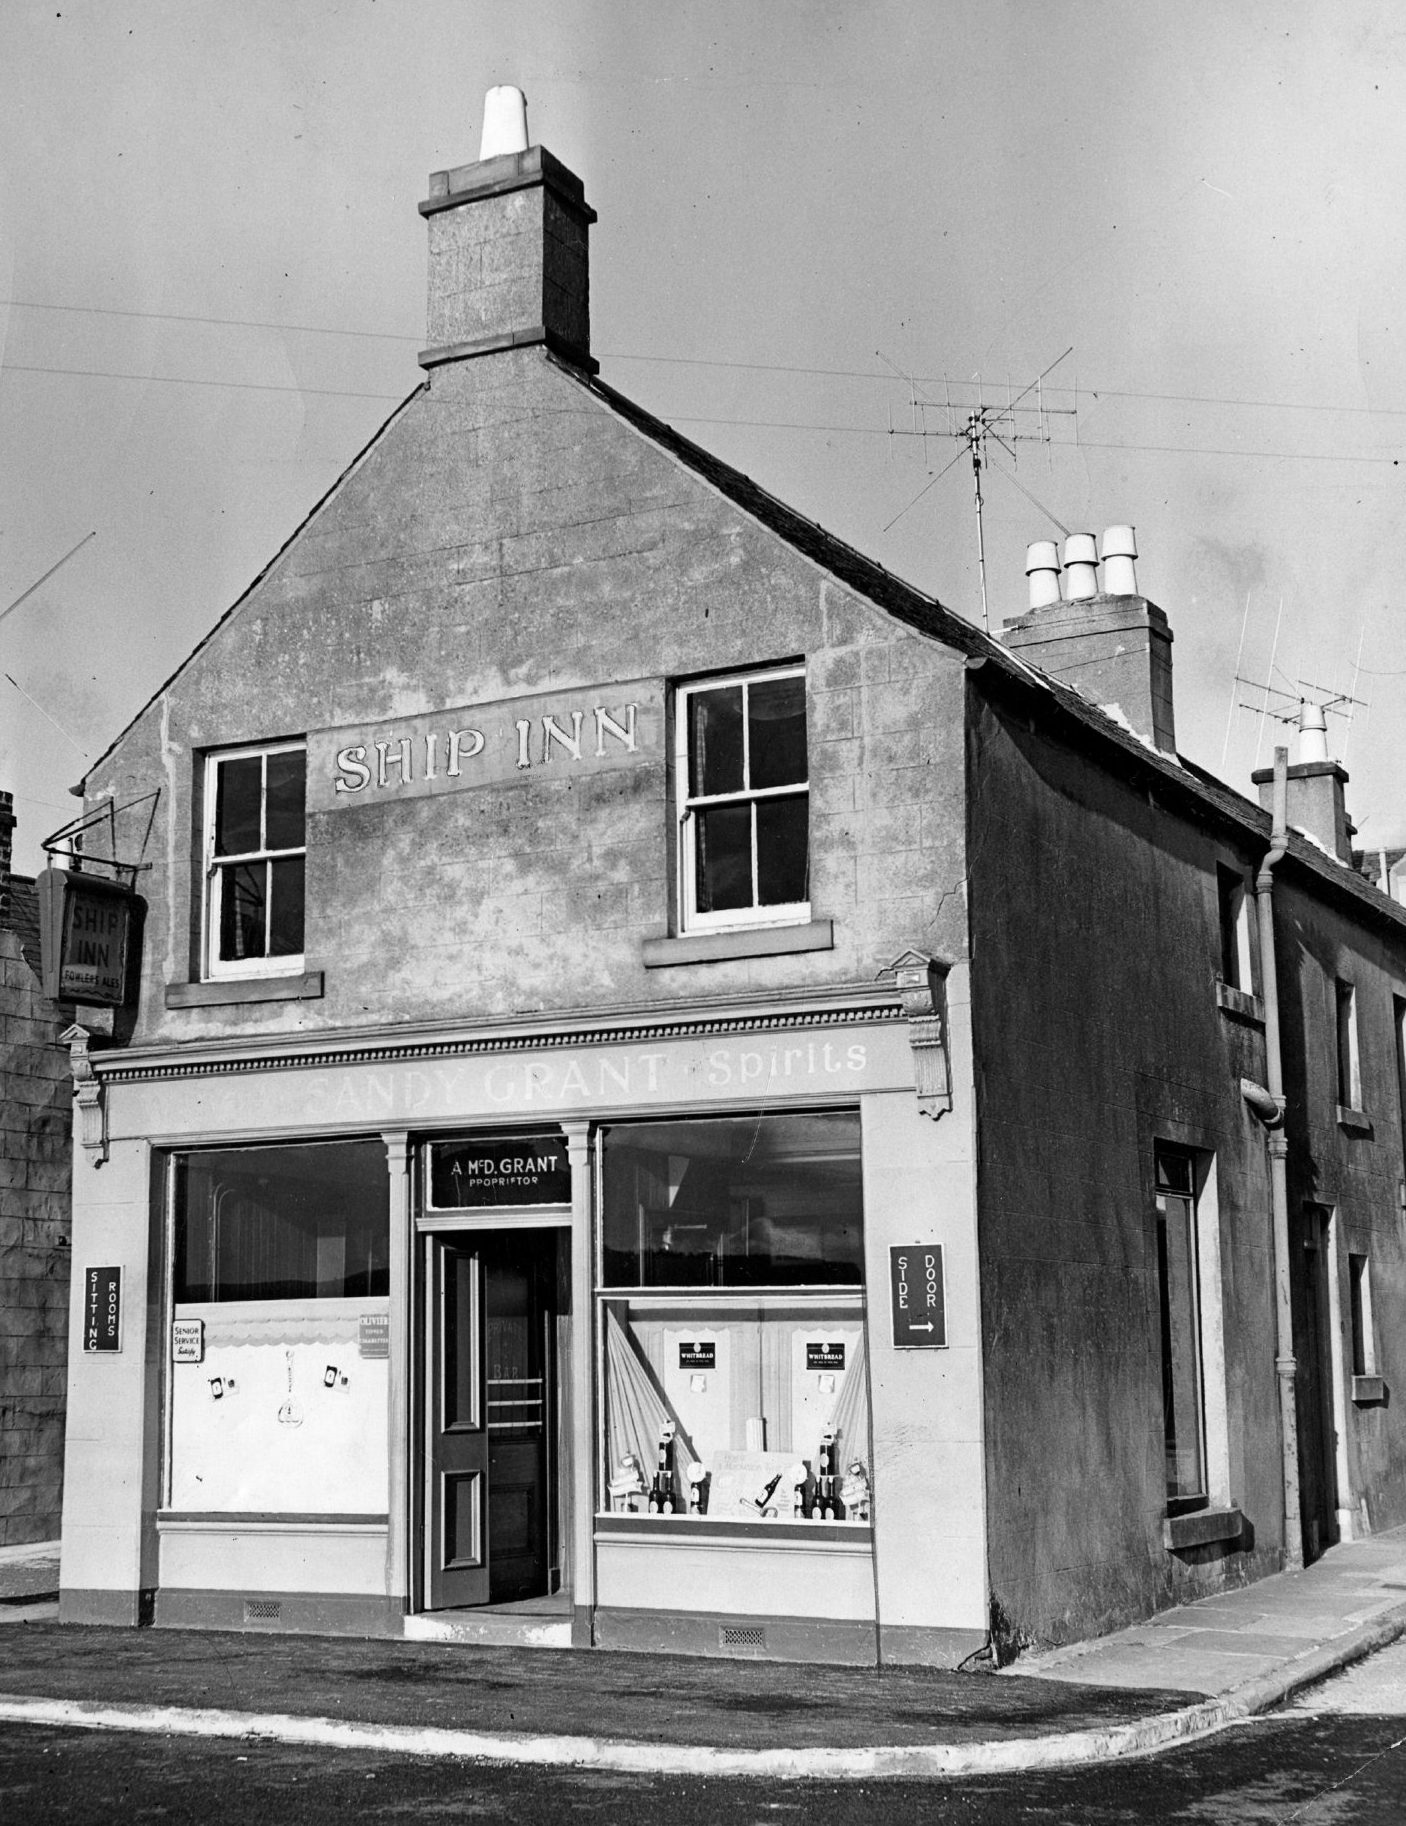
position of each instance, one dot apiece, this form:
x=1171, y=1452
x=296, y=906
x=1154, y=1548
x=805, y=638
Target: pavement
x=1178, y=1676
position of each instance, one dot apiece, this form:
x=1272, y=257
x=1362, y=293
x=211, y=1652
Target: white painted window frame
x=215, y=968
x=1209, y=1317
x=790, y=913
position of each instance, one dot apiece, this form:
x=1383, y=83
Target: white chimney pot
x=1313, y=733
x=1081, y=565
x=1042, y=568
x=504, y=122
x=1119, y=547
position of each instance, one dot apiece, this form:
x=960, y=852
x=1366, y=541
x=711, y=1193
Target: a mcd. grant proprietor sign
x=86, y=925
x=917, y=1296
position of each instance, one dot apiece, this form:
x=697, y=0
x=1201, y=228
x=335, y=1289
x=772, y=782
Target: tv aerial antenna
x=1292, y=704
x=1018, y=419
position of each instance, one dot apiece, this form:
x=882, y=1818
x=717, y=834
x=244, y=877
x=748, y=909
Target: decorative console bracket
x=921, y=982
x=88, y=1090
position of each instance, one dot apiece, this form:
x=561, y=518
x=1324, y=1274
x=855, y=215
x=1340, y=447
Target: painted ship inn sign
x=87, y=925
x=558, y=734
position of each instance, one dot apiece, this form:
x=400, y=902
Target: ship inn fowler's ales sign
x=557, y=734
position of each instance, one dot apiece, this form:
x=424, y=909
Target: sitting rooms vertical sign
x=551, y=735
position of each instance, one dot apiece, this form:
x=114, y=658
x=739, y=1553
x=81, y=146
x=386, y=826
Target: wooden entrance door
x=488, y=1500
x=1313, y=1344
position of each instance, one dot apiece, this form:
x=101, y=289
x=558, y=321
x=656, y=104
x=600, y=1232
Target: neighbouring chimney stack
x=1111, y=645
x=508, y=248
x=1316, y=805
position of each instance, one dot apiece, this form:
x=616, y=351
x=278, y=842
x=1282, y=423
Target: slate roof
x=1182, y=782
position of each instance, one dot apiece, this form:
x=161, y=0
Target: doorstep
x=540, y=1624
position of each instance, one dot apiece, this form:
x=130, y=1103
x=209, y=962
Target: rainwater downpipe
x=1278, y=1167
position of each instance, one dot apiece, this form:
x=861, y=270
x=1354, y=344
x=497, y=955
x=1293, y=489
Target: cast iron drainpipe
x=1278, y=1167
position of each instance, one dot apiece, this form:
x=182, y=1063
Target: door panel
x=458, y=1433
x=491, y=1382
x=1313, y=1343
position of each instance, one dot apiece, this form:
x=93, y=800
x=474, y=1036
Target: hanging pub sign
x=87, y=926
x=489, y=1175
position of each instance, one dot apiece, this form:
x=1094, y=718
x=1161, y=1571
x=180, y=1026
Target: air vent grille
x=741, y=1635
x=263, y=1610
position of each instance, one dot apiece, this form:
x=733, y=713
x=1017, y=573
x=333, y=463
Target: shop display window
x=283, y=1223
x=732, y=1319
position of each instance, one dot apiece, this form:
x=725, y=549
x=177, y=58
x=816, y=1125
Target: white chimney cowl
x=1081, y=566
x=1119, y=548
x=1042, y=568
x=504, y=122
x=1313, y=733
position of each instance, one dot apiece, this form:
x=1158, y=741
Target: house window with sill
x=1237, y=935
x=744, y=801
x=255, y=847
x=1349, y=1057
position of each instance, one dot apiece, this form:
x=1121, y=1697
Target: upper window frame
x=214, y=968
x=691, y=920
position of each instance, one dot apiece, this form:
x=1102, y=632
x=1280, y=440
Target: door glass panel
x=460, y=1340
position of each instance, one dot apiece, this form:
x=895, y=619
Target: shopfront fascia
x=617, y=1367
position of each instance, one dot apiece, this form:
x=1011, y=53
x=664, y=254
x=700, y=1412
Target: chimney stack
x=1110, y=644
x=1315, y=805
x=508, y=248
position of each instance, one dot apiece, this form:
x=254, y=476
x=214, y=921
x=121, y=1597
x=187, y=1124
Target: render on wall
x=35, y=1175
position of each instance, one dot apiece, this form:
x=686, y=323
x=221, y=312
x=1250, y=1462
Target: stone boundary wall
x=35, y=1177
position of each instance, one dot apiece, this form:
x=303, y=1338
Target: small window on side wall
x=742, y=787
x=1349, y=1060
x=255, y=848
x=1237, y=955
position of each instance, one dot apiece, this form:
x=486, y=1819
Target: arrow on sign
x=925, y=1326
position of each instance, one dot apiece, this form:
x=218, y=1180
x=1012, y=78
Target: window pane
x=287, y=777
x=1174, y=1173
x=238, y=789
x=735, y=1202
x=242, y=890
x=759, y=1430
x=724, y=853
x=783, y=850
x=715, y=741
x=776, y=717
x=1181, y=1347
x=286, y=916
x=285, y=1223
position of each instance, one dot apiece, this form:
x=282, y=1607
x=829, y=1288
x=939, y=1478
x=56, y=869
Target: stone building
x=682, y=1096
x=35, y=1166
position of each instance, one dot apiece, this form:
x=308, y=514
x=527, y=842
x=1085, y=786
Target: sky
x=828, y=230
